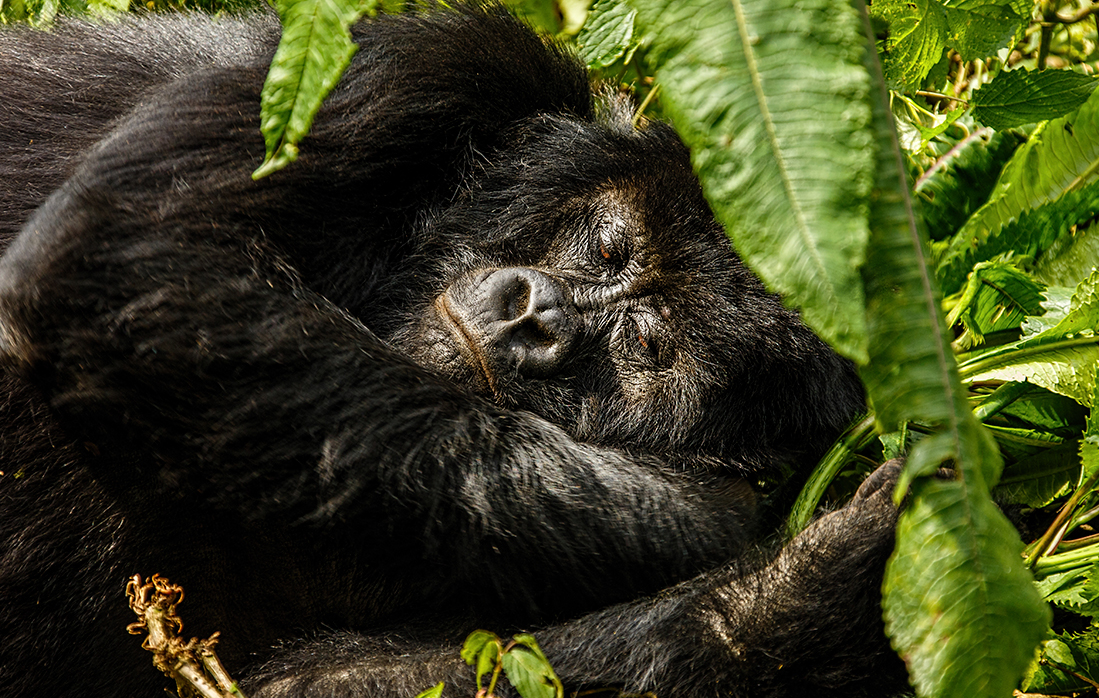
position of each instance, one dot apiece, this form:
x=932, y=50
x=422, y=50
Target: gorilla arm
x=807, y=623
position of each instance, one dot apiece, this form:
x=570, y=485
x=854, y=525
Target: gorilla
x=481, y=358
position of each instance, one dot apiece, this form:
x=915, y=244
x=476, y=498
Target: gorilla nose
x=523, y=320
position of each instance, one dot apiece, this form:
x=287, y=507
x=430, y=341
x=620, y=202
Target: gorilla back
x=481, y=357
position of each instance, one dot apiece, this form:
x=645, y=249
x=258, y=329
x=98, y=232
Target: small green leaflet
x=1018, y=97
x=608, y=34
x=314, y=51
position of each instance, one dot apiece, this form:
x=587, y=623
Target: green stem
x=1064, y=562
x=856, y=436
x=978, y=365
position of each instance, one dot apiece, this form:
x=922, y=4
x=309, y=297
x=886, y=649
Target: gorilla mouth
x=467, y=345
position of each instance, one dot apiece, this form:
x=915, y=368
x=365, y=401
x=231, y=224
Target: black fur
x=482, y=357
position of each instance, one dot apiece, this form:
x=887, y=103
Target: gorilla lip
x=467, y=345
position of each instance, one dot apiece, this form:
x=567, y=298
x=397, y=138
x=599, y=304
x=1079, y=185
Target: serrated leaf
x=960, y=608
x=977, y=28
x=607, y=35
x=531, y=674
x=917, y=37
x=770, y=95
x=1077, y=653
x=996, y=297
x=960, y=181
x=313, y=52
x=1063, y=358
x=956, y=578
x=1018, y=97
x=1051, y=183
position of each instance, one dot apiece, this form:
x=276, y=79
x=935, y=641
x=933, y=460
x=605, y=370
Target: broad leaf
x=314, y=51
x=960, y=608
x=956, y=576
x=1063, y=358
x=770, y=95
x=1052, y=182
x=1018, y=97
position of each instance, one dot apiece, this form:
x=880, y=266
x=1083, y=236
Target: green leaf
x=435, y=691
x=996, y=297
x=607, y=35
x=1037, y=481
x=1018, y=97
x=770, y=95
x=1070, y=258
x=961, y=610
x=956, y=576
x=1051, y=183
x=482, y=650
x=1062, y=359
x=917, y=37
x=530, y=672
x=960, y=181
x=1077, y=653
x=313, y=52
x=977, y=28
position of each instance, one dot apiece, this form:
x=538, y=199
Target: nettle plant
x=920, y=178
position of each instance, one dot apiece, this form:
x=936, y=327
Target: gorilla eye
x=613, y=256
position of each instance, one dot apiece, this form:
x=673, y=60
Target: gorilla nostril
x=521, y=320
x=517, y=300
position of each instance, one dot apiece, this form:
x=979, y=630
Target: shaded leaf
x=1040, y=479
x=770, y=95
x=961, y=180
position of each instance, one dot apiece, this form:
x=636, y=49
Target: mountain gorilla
x=481, y=358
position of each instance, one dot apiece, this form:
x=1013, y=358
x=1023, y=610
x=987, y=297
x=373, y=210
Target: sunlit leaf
x=1052, y=182
x=314, y=51
x=770, y=95
x=1018, y=97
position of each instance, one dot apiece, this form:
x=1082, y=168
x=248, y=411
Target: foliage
x=921, y=179
x=521, y=660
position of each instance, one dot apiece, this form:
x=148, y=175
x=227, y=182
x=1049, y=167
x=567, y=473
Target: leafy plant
x=520, y=660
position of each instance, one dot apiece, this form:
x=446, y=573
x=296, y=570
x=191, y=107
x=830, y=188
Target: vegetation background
x=921, y=179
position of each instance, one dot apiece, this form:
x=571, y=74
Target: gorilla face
x=607, y=300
